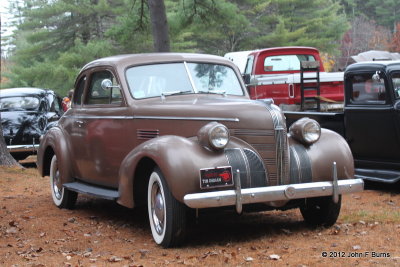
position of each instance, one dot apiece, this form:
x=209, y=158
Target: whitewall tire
x=167, y=216
x=62, y=197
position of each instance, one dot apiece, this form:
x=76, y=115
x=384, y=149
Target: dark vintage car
x=26, y=114
x=177, y=132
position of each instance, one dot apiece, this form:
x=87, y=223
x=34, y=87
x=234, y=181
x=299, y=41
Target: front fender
x=180, y=160
x=54, y=142
x=314, y=163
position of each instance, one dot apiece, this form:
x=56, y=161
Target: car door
x=395, y=78
x=371, y=121
x=100, y=130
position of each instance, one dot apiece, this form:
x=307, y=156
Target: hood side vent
x=146, y=134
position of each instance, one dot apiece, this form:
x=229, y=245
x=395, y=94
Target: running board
x=382, y=176
x=93, y=190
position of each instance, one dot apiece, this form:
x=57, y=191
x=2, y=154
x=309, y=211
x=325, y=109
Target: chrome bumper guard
x=23, y=148
x=239, y=196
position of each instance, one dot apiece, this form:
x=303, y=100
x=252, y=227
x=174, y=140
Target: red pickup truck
x=276, y=73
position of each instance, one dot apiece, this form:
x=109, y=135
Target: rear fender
x=54, y=142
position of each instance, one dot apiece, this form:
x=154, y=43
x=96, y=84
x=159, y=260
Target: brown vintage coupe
x=177, y=132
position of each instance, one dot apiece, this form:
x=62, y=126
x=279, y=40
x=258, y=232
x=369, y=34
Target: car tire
x=62, y=197
x=167, y=215
x=321, y=211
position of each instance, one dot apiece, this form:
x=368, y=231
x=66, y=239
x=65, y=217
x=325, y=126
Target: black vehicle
x=26, y=114
x=370, y=121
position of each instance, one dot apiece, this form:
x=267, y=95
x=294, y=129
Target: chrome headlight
x=214, y=135
x=306, y=131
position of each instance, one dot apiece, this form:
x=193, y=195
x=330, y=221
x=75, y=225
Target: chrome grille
x=272, y=145
x=264, y=142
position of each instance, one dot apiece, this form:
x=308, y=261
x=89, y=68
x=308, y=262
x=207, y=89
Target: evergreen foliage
x=55, y=38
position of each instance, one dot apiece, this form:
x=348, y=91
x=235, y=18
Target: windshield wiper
x=164, y=94
x=216, y=92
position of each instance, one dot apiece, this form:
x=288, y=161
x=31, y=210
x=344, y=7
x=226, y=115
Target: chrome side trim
x=281, y=143
x=186, y=118
x=296, y=159
x=100, y=117
x=154, y=118
x=272, y=193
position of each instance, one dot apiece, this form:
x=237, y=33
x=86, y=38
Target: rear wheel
x=62, y=197
x=321, y=211
x=167, y=215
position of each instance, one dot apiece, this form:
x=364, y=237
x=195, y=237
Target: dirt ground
x=33, y=232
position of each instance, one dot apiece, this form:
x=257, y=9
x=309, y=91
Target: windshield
x=285, y=62
x=19, y=103
x=181, y=78
x=209, y=78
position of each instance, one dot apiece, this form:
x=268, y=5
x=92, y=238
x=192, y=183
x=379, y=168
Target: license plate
x=216, y=177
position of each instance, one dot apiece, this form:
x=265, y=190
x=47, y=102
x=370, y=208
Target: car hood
x=22, y=126
x=243, y=113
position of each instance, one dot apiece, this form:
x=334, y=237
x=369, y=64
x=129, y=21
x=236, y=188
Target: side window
x=77, y=97
x=97, y=95
x=54, y=103
x=249, y=65
x=366, y=90
x=116, y=97
x=396, y=84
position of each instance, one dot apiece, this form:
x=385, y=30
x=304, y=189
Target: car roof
x=23, y=91
x=123, y=61
x=371, y=65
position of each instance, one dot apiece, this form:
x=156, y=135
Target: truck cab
x=370, y=121
x=276, y=73
x=372, y=118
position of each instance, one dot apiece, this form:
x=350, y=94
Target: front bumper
x=240, y=196
x=272, y=193
x=23, y=148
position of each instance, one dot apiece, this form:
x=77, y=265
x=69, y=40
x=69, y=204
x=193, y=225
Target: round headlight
x=311, y=131
x=306, y=131
x=218, y=136
x=214, y=136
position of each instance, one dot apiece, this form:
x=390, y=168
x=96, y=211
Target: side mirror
x=107, y=84
x=246, y=78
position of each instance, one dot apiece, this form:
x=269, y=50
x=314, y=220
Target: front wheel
x=62, y=197
x=167, y=215
x=321, y=211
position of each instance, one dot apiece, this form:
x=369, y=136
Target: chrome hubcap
x=157, y=208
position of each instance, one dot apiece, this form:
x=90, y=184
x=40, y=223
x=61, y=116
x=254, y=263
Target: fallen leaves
x=274, y=257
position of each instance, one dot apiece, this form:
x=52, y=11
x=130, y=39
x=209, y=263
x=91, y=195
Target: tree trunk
x=159, y=25
x=5, y=158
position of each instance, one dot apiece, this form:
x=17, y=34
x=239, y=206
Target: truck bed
x=330, y=120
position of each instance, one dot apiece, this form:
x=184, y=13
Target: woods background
x=53, y=39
